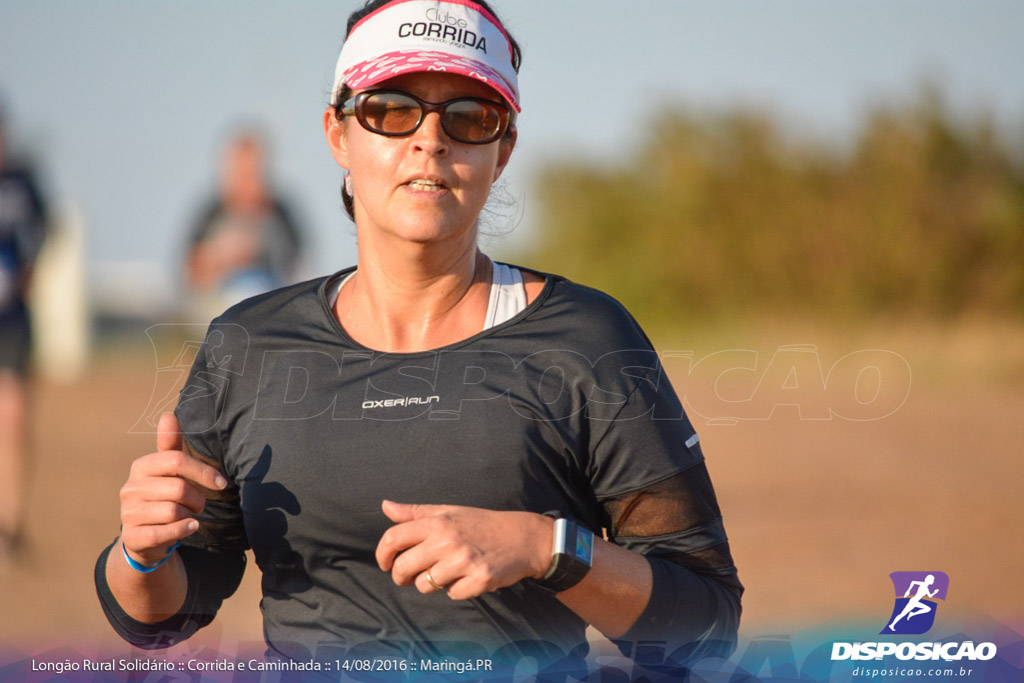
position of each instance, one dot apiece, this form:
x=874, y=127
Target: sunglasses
x=395, y=113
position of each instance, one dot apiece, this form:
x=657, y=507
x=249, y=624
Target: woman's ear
x=505, y=147
x=334, y=130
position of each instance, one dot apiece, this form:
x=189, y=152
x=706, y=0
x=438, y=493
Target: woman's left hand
x=468, y=551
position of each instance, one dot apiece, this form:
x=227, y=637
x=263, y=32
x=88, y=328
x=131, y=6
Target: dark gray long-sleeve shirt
x=564, y=407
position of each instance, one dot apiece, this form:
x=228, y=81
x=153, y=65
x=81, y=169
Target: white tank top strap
x=507, y=300
x=332, y=296
x=508, y=295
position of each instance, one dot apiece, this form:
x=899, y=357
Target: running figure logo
x=914, y=612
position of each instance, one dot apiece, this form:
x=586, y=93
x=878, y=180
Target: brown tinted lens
x=472, y=121
x=391, y=113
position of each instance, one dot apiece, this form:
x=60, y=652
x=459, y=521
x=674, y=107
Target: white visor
x=410, y=36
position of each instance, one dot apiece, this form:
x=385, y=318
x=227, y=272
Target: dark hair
x=345, y=92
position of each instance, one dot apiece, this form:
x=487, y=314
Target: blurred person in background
x=22, y=230
x=245, y=241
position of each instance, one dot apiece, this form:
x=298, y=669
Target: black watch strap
x=572, y=554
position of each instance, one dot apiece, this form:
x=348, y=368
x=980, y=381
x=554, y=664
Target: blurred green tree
x=724, y=215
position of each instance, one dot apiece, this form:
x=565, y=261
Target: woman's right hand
x=164, y=491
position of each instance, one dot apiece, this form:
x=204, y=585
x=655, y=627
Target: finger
x=168, y=433
x=397, y=539
x=170, y=489
x=407, y=512
x=151, y=541
x=409, y=565
x=179, y=464
x=464, y=588
x=431, y=580
x=151, y=514
x=443, y=573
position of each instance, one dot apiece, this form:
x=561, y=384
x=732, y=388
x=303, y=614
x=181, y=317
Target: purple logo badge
x=917, y=594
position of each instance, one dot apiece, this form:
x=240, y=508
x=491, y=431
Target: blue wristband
x=139, y=567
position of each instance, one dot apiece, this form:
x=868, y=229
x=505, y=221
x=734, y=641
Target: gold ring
x=430, y=580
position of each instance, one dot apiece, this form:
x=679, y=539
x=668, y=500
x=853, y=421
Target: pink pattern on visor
x=395, y=63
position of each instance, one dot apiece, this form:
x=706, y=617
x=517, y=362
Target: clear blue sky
x=124, y=103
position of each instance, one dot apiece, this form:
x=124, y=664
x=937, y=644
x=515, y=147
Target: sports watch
x=572, y=553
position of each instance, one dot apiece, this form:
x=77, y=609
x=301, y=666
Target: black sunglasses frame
x=355, y=104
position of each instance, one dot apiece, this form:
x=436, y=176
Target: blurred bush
x=724, y=215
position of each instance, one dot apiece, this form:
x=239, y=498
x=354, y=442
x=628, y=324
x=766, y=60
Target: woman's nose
x=430, y=136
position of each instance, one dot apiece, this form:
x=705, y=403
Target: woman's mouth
x=421, y=185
